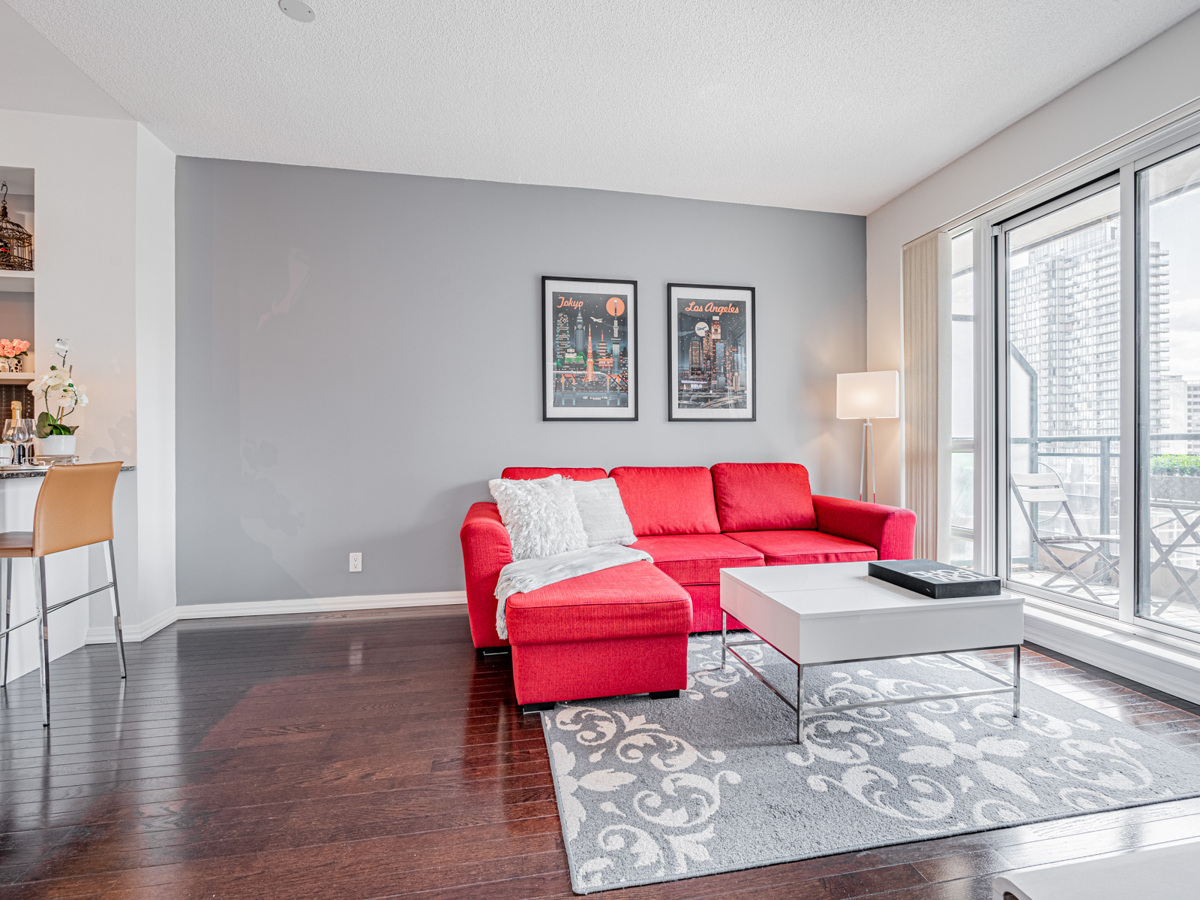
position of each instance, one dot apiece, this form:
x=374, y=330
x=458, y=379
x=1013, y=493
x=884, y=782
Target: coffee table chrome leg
x=724, y=635
x=1016, y=680
x=799, y=704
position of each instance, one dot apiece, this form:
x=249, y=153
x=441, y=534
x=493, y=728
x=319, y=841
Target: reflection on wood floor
x=374, y=755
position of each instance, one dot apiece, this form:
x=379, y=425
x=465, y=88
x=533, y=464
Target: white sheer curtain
x=926, y=305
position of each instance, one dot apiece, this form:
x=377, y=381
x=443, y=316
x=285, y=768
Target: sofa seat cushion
x=668, y=499
x=802, y=547
x=528, y=473
x=698, y=558
x=763, y=496
x=636, y=600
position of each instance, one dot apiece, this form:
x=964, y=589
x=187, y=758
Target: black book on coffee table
x=934, y=579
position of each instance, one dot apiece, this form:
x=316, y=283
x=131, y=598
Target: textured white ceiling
x=39, y=78
x=835, y=105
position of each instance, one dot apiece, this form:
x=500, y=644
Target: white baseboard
x=141, y=631
x=133, y=632
x=1153, y=663
x=319, y=604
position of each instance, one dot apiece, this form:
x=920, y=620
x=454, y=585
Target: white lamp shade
x=868, y=395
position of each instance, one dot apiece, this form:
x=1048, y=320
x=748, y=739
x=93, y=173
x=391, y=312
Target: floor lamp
x=868, y=395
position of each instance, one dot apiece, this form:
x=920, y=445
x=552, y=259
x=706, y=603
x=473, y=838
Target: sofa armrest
x=889, y=529
x=486, y=550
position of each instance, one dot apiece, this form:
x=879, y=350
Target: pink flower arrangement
x=12, y=348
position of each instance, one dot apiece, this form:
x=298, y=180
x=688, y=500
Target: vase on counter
x=57, y=445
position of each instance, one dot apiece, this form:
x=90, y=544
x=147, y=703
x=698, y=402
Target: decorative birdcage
x=16, y=244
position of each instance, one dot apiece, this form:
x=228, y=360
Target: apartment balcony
x=1073, y=550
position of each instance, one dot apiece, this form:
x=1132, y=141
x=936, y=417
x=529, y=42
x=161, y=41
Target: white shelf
x=16, y=377
x=19, y=282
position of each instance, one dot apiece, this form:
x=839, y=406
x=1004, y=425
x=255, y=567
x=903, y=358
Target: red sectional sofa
x=624, y=630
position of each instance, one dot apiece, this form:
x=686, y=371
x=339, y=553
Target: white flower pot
x=57, y=445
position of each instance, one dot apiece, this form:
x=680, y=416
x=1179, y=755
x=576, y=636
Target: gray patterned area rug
x=657, y=790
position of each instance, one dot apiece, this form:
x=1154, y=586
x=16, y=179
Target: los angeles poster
x=712, y=353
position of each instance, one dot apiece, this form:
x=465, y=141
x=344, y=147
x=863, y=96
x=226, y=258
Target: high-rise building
x=579, y=332
x=591, y=371
x=1183, y=416
x=562, y=334
x=1064, y=308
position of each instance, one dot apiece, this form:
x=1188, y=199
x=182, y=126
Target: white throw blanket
x=530, y=574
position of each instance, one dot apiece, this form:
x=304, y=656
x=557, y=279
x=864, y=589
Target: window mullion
x=1131, y=389
x=986, y=446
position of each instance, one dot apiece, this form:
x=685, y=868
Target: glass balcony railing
x=1064, y=529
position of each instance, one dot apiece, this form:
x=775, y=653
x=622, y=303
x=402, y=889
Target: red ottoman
x=622, y=630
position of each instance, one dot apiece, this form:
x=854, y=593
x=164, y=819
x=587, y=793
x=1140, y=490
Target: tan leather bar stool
x=74, y=509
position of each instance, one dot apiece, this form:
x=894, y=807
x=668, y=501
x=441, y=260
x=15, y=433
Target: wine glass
x=16, y=433
x=9, y=437
x=29, y=430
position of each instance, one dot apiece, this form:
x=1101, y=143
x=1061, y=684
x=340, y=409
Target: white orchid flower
x=62, y=345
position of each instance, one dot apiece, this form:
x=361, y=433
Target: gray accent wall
x=358, y=353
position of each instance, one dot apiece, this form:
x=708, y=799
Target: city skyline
x=590, y=365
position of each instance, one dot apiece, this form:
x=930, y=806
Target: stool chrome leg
x=116, y=606
x=4, y=648
x=39, y=591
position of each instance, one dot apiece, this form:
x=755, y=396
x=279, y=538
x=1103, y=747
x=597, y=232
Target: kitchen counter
x=36, y=471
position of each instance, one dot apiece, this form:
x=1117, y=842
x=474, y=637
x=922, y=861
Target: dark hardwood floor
x=375, y=755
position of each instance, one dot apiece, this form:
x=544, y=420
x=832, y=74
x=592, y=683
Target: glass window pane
x=1169, y=341
x=961, y=551
x=1063, y=304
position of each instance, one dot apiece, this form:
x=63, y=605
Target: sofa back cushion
x=668, y=499
x=763, y=496
x=525, y=473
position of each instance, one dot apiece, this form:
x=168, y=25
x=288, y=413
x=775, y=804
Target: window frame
x=1120, y=167
x=1000, y=232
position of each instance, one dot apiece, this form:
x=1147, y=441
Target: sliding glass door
x=1168, y=341
x=1060, y=290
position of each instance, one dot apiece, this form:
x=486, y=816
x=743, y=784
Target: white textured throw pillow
x=603, y=512
x=540, y=516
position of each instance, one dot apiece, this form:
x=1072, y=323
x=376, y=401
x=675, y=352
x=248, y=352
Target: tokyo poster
x=589, y=349
x=712, y=353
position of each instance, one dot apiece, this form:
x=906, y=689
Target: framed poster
x=712, y=354
x=589, y=349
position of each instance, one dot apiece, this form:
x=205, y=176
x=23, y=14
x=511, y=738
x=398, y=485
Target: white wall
x=155, y=337
x=84, y=262
x=1157, y=78
x=84, y=287
x=104, y=277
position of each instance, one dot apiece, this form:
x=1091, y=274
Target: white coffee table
x=837, y=613
x=1170, y=872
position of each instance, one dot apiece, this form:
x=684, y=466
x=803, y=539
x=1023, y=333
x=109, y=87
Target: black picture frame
x=719, y=383
x=589, y=360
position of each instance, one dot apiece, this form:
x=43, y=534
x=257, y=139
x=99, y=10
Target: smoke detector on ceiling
x=298, y=10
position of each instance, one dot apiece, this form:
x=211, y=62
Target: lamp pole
x=868, y=445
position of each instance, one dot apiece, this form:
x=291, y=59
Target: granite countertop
x=37, y=471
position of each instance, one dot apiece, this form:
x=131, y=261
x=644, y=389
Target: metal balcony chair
x=74, y=509
x=1047, y=488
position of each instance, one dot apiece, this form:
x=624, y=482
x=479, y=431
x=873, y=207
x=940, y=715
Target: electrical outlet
x=355, y=562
